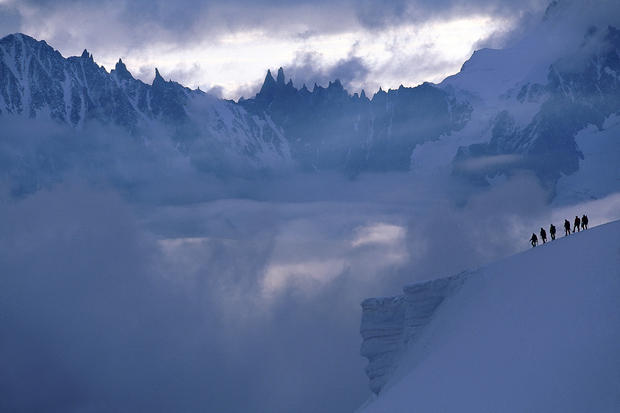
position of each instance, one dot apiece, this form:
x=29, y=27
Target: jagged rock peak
x=363, y=94
x=381, y=92
x=269, y=82
x=336, y=84
x=121, y=69
x=280, y=78
x=86, y=55
x=158, y=79
x=269, y=77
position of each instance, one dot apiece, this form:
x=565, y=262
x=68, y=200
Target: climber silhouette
x=577, y=223
x=552, y=232
x=534, y=240
x=566, y=227
x=543, y=235
x=584, y=222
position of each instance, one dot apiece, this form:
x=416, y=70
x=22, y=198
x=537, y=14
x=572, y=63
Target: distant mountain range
x=36, y=81
x=327, y=128
x=505, y=111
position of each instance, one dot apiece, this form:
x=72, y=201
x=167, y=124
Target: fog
x=133, y=281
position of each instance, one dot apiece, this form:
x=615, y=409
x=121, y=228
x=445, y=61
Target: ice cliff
x=390, y=324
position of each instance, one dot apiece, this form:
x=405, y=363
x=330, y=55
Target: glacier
x=533, y=332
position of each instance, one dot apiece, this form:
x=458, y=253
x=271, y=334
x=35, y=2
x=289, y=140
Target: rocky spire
x=268, y=84
x=121, y=70
x=280, y=78
x=158, y=79
x=86, y=55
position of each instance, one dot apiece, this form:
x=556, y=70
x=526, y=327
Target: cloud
x=225, y=43
x=157, y=300
x=10, y=19
x=279, y=276
x=492, y=224
x=158, y=33
x=110, y=306
x=308, y=68
x=487, y=163
x=379, y=233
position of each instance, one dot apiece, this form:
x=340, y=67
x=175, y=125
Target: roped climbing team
x=578, y=225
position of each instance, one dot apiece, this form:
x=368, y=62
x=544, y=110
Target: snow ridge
x=536, y=331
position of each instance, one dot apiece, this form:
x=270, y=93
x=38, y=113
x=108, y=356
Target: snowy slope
x=536, y=332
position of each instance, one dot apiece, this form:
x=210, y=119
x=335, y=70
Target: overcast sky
x=229, y=45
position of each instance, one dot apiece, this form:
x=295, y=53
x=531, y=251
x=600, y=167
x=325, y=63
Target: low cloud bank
x=133, y=281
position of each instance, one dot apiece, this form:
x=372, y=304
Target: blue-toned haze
x=165, y=249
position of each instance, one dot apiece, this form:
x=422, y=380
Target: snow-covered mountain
x=536, y=122
x=534, y=332
x=328, y=128
x=528, y=107
x=530, y=103
x=37, y=82
x=506, y=111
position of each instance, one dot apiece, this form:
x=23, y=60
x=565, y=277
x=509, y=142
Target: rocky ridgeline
x=37, y=82
x=329, y=128
x=529, y=126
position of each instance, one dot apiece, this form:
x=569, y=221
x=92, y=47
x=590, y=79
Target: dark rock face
x=327, y=128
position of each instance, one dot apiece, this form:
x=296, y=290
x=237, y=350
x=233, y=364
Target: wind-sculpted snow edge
x=390, y=325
